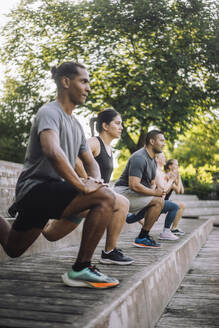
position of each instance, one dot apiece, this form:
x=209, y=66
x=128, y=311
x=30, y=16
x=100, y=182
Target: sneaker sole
x=107, y=261
x=133, y=221
x=168, y=239
x=88, y=284
x=145, y=246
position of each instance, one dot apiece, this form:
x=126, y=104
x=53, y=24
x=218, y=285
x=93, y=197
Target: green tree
x=153, y=61
x=200, y=145
x=198, y=156
x=161, y=64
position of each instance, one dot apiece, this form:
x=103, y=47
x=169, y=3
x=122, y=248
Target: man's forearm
x=93, y=170
x=141, y=189
x=64, y=169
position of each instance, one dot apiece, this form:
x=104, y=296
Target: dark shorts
x=44, y=201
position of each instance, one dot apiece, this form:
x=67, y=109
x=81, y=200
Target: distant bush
x=200, y=181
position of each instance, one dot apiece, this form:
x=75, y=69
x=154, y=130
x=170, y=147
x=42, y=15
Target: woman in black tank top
x=105, y=162
x=109, y=127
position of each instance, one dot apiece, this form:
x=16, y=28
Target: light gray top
x=140, y=165
x=37, y=168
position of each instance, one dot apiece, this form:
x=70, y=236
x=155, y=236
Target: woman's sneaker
x=89, y=277
x=146, y=242
x=167, y=235
x=115, y=257
x=178, y=232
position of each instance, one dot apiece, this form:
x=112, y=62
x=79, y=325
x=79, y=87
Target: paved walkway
x=196, y=302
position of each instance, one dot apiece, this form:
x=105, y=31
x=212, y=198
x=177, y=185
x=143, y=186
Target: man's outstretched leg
x=58, y=229
x=15, y=243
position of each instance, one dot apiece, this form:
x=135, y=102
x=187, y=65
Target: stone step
x=201, y=211
x=184, y=197
x=215, y=219
x=32, y=294
x=9, y=173
x=202, y=203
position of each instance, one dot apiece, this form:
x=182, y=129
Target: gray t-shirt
x=140, y=165
x=37, y=168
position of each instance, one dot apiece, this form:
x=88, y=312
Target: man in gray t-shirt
x=140, y=165
x=49, y=187
x=138, y=185
x=37, y=167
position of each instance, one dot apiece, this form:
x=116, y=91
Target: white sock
x=108, y=251
x=166, y=229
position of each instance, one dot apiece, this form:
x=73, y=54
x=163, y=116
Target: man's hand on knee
x=91, y=185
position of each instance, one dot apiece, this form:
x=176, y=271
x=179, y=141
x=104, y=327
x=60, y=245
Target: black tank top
x=105, y=162
x=169, y=194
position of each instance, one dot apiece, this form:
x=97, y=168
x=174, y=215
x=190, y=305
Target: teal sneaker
x=89, y=277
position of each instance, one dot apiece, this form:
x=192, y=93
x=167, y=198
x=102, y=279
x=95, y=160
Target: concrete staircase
x=32, y=294
x=196, y=208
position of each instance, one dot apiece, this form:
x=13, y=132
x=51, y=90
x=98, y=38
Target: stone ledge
x=153, y=287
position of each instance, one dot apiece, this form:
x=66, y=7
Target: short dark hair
x=152, y=135
x=69, y=69
x=106, y=116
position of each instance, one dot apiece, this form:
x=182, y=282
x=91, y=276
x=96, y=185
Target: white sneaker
x=168, y=235
x=178, y=231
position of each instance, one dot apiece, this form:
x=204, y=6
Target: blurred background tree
x=198, y=155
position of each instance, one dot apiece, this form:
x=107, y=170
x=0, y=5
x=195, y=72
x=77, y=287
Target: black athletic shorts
x=44, y=201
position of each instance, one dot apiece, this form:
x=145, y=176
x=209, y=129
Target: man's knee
x=122, y=202
x=106, y=196
x=158, y=201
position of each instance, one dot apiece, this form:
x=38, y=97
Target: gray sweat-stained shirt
x=140, y=165
x=37, y=168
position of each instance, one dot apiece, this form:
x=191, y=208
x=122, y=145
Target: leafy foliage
x=200, y=145
x=153, y=61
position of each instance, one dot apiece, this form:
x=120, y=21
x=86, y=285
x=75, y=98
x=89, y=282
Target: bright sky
x=5, y=7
